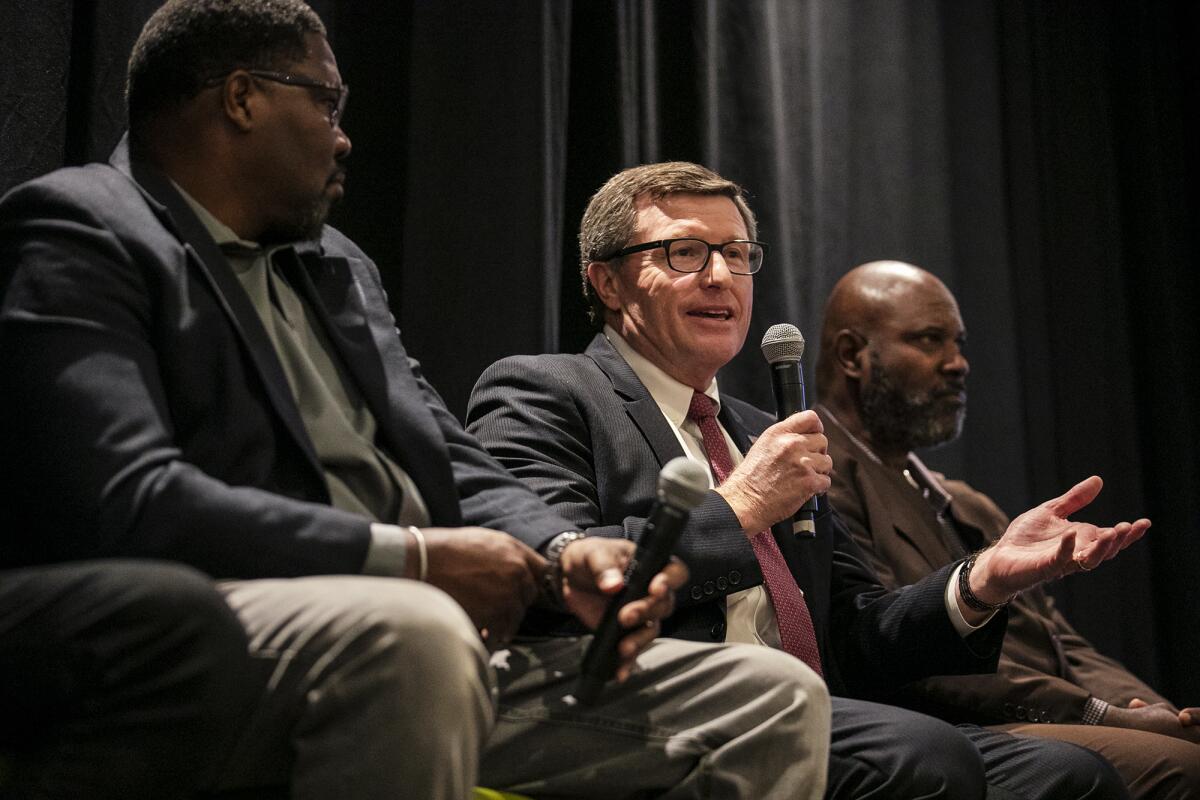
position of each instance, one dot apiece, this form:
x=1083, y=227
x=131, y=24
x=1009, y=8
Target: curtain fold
x=1040, y=158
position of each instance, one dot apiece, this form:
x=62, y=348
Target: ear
x=604, y=282
x=850, y=353
x=239, y=99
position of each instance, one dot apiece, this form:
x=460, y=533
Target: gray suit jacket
x=585, y=433
x=146, y=413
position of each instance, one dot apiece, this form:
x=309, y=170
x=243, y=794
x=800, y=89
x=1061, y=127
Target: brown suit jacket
x=1047, y=670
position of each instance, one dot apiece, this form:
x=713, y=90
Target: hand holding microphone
x=682, y=485
x=783, y=346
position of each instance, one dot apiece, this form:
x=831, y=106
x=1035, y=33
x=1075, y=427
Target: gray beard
x=898, y=421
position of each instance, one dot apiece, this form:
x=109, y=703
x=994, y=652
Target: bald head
x=891, y=365
x=868, y=296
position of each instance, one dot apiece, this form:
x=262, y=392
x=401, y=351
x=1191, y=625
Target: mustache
x=956, y=393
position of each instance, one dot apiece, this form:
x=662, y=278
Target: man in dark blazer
x=893, y=379
x=194, y=367
x=667, y=258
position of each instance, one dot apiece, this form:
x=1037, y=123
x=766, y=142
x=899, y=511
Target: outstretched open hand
x=1043, y=544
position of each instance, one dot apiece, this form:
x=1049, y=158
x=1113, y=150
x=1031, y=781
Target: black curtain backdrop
x=1039, y=156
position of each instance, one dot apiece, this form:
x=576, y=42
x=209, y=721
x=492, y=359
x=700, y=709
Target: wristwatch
x=552, y=587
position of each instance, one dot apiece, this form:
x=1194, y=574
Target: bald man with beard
x=892, y=378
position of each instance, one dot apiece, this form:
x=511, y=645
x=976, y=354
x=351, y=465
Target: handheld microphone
x=682, y=485
x=783, y=346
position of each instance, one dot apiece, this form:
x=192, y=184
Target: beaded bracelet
x=969, y=597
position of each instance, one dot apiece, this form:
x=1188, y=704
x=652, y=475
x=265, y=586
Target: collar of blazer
x=204, y=254
x=889, y=501
x=364, y=334
x=644, y=411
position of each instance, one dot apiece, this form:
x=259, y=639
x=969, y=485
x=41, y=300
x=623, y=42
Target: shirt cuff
x=387, y=555
x=1093, y=711
x=957, y=619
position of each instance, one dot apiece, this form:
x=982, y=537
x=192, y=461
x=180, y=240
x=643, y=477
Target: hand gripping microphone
x=782, y=346
x=682, y=484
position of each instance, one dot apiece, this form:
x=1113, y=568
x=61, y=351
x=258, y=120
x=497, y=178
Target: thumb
x=1075, y=498
x=1137, y=702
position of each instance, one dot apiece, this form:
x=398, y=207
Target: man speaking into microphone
x=668, y=255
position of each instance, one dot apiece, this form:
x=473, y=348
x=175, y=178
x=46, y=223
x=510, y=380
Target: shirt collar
x=916, y=473
x=221, y=233
x=673, y=397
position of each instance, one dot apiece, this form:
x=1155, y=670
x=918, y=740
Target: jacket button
x=697, y=592
x=735, y=577
x=709, y=588
x=717, y=632
x=1008, y=707
x=722, y=584
x=1021, y=713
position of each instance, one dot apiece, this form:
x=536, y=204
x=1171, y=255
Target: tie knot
x=701, y=407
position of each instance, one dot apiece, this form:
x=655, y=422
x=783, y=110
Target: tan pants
x=696, y=721
x=380, y=688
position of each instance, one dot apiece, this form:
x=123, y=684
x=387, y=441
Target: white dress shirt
x=749, y=615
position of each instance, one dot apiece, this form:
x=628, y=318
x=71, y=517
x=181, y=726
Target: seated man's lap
x=1152, y=764
x=684, y=704
x=354, y=662
x=896, y=752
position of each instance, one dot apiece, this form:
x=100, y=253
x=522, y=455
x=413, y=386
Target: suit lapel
x=208, y=260
x=639, y=405
x=970, y=515
x=364, y=335
x=912, y=518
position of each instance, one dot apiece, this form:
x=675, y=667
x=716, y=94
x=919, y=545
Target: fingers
x=643, y=620
x=1066, y=552
x=1103, y=544
x=1138, y=702
x=1099, y=544
x=597, y=562
x=659, y=601
x=656, y=605
x=631, y=645
x=672, y=578
x=801, y=422
x=1189, y=716
x=1075, y=498
x=530, y=579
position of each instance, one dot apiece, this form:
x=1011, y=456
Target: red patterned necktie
x=791, y=612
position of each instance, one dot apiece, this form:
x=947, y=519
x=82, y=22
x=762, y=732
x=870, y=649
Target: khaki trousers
x=380, y=688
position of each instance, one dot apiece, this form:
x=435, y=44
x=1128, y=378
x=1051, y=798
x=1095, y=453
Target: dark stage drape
x=1040, y=157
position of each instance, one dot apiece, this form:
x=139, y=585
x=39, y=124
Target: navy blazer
x=585, y=433
x=145, y=410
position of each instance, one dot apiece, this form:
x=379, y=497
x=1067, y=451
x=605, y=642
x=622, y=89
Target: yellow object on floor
x=491, y=794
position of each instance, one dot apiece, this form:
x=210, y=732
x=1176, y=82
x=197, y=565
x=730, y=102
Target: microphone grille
x=782, y=342
x=682, y=483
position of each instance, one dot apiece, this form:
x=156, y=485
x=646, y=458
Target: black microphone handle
x=787, y=384
x=659, y=537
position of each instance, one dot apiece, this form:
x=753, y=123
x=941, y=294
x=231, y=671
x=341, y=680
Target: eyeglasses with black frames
x=742, y=256
x=336, y=94
x=336, y=103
